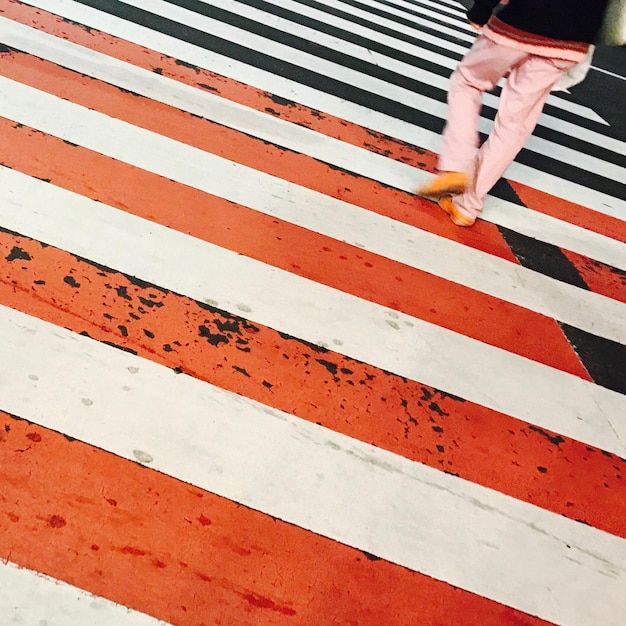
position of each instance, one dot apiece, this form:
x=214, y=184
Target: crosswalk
x=248, y=378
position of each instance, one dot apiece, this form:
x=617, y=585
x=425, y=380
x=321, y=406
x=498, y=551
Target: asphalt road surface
x=604, y=89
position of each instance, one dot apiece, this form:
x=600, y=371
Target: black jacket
x=565, y=20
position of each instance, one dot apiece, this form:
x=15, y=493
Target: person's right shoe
x=460, y=219
x=446, y=184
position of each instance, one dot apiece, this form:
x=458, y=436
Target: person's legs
x=521, y=103
x=479, y=71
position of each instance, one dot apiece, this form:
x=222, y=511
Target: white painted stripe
x=599, y=69
x=252, y=122
x=359, y=79
x=551, y=230
x=300, y=139
x=565, y=189
x=467, y=37
x=423, y=519
x=432, y=106
x=380, y=21
x=32, y=599
x=318, y=314
x=413, y=247
x=555, y=100
x=419, y=15
x=271, y=195
x=310, y=97
x=451, y=4
x=282, y=51
x=440, y=7
x=407, y=10
x=461, y=21
x=373, y=35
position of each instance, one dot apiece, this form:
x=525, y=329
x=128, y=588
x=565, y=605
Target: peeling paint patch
x=17, y=254
x=191, y=66
x=557, y=440
x=214, y=339
x=331, y=367
x=69, y=280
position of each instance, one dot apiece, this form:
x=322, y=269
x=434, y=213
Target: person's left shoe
x=460, y=219
x=446, y=184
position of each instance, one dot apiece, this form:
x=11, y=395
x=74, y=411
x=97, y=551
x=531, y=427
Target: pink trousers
x=530, y=79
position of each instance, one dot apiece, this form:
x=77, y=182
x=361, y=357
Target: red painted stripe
x=295, y=249
x=599, y=277
x=321, y=386
x=576, y=214
x=186, y=556
x=311, y=118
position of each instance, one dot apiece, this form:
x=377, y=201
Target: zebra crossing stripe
x=358, y=74
x=385, y=200
x=576, y=214
x=391, y=46
x=337, y=264
x=563, y=358
x=431, y=80
x=415, y=27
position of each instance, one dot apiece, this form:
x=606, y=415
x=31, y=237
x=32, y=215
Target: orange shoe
x=446, y=184
x=460, y=219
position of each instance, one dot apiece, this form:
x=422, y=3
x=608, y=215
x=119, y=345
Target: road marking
x=27, y=597
x=530, y=559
